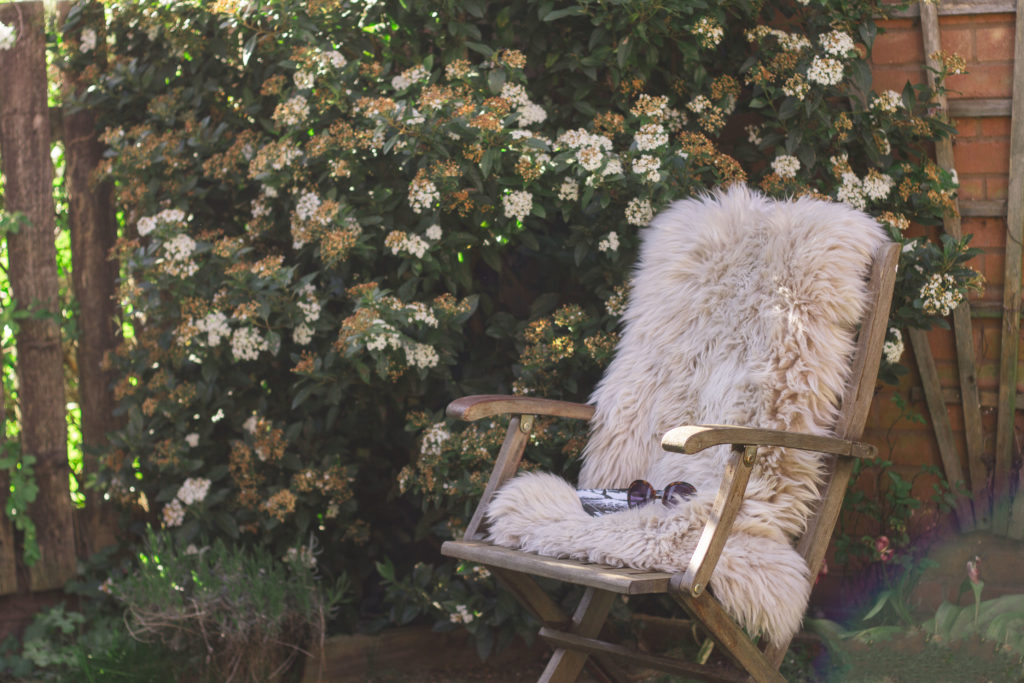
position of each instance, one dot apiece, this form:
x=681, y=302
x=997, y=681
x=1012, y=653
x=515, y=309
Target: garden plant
x=337, y=216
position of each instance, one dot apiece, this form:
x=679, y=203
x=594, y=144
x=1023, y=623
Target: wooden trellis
x=991, y=507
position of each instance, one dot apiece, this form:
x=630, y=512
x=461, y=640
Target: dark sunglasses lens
x=676, y=490
x=639, y=493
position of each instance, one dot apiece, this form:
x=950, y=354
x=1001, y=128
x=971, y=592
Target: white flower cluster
x=893, y=348
x=423, y=194
x=408, y=77
x=796, y=86
x=708, y=31
x=434, y=438
x=650, y=136
x=754, y=132
x=569, y=191
x=192, y=439
x=7, y=36
x=178, y=256
x=837, y=43
x=247, y=343
x=590, y=148
x=609, y=243
x=825, y=71
x=939, y=294
x=422, y=313
x=851, y=191
x=148, y=224
x=304, y=80
x=648, y=166
x=518, y=204
x=421, y=355
x=309, y=306
x=307, y=205
x=529, y=112
x=461, y=615
x=292, y=112
x=88, y=41
x=639, y=211
x=877, y=185
x=785, y=166
x=413, y=244
x=384, y=336
x=173, y=513
x=889, y=101
x=334, y=59
x=194, y=490
x=215, y=325
x=434, y=232
x=790, y=42
x=698, y=104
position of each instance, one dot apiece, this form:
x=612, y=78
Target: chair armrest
x=695, y=438
x=485, y=405
x=744, y=441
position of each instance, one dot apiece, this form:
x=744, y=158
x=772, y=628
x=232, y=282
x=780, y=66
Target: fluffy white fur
x=743, y=310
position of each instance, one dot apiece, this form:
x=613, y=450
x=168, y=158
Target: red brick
x=995, y=43
x=973, y=156
x=894, y=78
x=983, y=80
x=996, y=126
x=959, y=41
x=898, y=47
x=987, y=232
x=972, y=188
x=967, y=127
x=996, y=187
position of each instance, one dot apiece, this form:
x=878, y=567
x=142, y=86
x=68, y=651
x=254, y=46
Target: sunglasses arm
x=523, y=409
x=745, y=442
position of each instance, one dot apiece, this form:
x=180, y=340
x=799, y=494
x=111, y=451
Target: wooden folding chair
x=576, y=637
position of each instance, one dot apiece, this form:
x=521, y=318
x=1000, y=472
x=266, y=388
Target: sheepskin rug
x=743, y=311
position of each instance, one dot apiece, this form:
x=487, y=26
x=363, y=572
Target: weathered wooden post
x=93, y=232
x=25, y=151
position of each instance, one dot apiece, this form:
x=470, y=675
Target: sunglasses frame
x=650, y=493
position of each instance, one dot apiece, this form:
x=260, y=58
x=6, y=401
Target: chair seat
x=624, y=580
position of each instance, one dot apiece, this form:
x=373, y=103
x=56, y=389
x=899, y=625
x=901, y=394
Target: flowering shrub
x=339, y=216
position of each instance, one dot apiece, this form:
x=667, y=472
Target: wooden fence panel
x=25, y=150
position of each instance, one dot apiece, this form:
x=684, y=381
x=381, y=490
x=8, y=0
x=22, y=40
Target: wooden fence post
x=94, y=276
x=25, y=150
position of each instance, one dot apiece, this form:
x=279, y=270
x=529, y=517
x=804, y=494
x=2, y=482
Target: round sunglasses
x=641, y=492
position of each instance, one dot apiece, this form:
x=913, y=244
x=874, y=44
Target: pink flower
x=885, y=553
x=974, y=569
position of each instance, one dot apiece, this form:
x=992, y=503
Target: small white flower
x=408, y=77
x=893, y=349
x=650, y=136
x=303, y=80
x=639, y=212
x=877, y=185
x=215, y=325
x=785, y=166
x=609, y=243
x=173, y=513
x=825, y=71
x=518, y=204
x=852, y=191
x=194, y=490
x=7, y=36
x=569, y=191
x=837, y=43
x=246, y=344
x=88, y=42
x=421, y=355
x=302, y=334
x=146, y=225
x=423, y=194
x=335, y=59
x=250, y=424
x=416, y=245
x=192, y=439
x=648, y=166
x=434, y=232
x=889, y=101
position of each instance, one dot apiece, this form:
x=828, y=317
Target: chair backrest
x=744, y=310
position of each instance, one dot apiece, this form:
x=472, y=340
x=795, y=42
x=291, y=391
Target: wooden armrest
x=485, y=405
x=695, y=438
x=744, y=442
